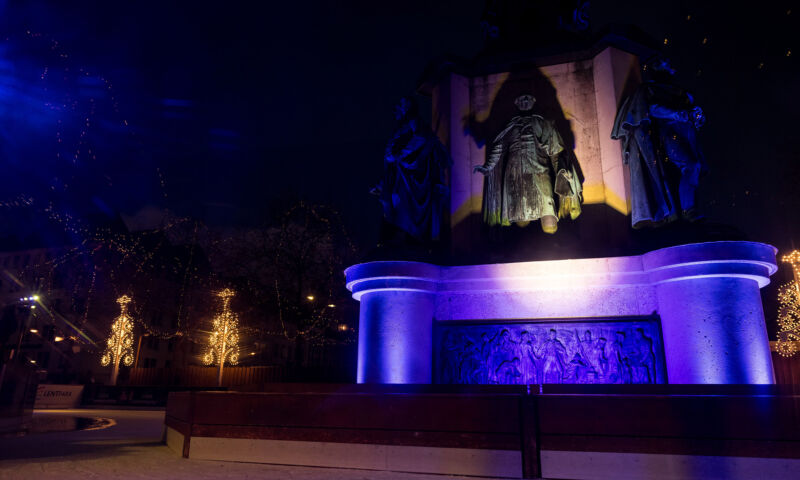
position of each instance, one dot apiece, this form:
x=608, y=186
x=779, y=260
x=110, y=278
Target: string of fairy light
x=319, y=317
x=60, y=69
x=119, y=345
x=137, y=256
x=133, y=250
x=694, y=33
x=223, y=343
x=789, y=309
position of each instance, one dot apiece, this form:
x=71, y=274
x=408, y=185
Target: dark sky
x=234, y=105
x=215, y=110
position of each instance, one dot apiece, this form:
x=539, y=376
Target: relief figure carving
x=551, y=353
x=527, y=355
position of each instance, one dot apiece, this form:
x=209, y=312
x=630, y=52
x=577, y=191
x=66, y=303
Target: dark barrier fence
x=381, y=388
x=478, y=428
x=135, y=396
x=787, y=369
x=548, y=434
x=196, y=376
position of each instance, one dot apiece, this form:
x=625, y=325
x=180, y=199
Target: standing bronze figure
x=658, y=127
x=525, y=171
x=413, y=192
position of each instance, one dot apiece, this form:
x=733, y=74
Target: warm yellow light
x=793, y=259
x=35, y=297
x=33, y=361
x=58, y=339
x=310, y=297
x=330, y=305
x=33, y=330
x=252, y=353
x=342, y=327
x=223, y=344
x=789, y=309
x=119, y=344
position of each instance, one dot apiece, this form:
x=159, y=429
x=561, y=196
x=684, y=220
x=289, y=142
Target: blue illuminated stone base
x=623, y=351
x=704, y=297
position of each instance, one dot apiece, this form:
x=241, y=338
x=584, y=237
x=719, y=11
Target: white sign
x=58, y=396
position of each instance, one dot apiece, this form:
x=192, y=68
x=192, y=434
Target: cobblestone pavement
x=132, y=448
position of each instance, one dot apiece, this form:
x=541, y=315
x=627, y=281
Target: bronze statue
x=658, y=127
x=525, y=171
x=413, y=192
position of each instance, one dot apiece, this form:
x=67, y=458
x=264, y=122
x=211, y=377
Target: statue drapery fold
x=528, y=177
x=413, y=192
x=658, y=126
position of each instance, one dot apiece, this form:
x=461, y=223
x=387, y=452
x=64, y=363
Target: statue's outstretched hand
x=480, y=168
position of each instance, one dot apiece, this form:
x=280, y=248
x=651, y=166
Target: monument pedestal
x=602, y=303
x=689, y=314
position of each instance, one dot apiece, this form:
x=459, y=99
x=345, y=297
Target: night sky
x=219, y=111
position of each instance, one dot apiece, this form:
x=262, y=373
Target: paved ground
x=132, y=448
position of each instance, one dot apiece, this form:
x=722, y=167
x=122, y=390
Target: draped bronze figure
x=525, y=171
x=658, y=127
x=413, y=192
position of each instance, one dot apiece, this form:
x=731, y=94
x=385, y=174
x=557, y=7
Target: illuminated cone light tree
x=118, y=348
x=789, y=310
x=223, y=344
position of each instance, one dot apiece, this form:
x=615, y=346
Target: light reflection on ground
x=46, y=422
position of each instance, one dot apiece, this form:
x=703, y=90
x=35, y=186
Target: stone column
x=395, y=339
x=711, y=314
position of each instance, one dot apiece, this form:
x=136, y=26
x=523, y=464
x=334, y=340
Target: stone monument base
x=591, y=432
x=689, y=314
